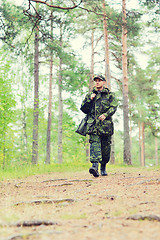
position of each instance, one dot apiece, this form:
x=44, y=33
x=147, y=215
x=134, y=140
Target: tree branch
x=86, y=9
x=59, y=7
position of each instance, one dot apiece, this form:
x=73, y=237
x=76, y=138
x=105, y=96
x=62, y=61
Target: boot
x=94, y=169
x=103, y=169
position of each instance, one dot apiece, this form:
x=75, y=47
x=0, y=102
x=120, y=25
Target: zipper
x=95, y=112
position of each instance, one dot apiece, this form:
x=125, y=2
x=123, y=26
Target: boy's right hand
x=93, y=96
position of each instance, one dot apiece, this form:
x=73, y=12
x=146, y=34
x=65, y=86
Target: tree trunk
x=60, y=106
x=156, y=151
x=107, y=67
x=24, y=145
x=91, y=85
x=48, y=150
x=112, y=158
x=130, y=134
x=91, y=82
x=24, y=129
x=140, y=139
x=127, y=150
x=36, y=98
x=142, y=145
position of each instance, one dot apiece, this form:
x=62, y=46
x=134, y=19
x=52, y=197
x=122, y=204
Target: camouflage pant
x=100, y=148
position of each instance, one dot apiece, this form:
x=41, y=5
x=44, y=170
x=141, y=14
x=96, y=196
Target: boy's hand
x=93, y=96
x=101, y=117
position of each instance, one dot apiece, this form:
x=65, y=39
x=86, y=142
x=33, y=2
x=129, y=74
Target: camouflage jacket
x=104, y=103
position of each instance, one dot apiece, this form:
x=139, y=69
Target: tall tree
x=48, y=151
x=127, y=150
x=36, y=96
x=91, y=83
x=142, y=144
x=60, y=104
x=107, y=66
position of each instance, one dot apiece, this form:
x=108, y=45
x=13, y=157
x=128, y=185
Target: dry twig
x=149, y=217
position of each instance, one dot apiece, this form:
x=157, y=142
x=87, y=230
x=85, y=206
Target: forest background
x=50, y=51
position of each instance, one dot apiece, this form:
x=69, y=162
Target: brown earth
x=69, y=206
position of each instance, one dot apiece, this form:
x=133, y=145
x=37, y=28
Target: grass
x=20, y=171
x=118, y=213
x=100, y=203
x=74, y=216
x=17, y=170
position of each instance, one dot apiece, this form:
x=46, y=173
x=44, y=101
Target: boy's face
x=99, y=83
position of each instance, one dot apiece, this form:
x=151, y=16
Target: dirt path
x=69, y=206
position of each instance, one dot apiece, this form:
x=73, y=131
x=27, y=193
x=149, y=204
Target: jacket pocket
x=91, y=126
x=106, y=127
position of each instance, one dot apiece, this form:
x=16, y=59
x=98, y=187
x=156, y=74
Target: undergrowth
x=14, y=170
x=27, y=169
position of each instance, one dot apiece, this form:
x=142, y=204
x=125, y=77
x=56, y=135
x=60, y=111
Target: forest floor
x=69, y=206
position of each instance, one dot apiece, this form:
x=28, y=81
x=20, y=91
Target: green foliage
x=73, y=144
x=17, y=170
x=118, y=139
x=154, y=60
x=73, y=147
x=20, y=170
x=133, y=25
x=145, y=95
x=150, y=3
x=7, y=104
x=13, y=21
x=74, y=77
x=152, y=8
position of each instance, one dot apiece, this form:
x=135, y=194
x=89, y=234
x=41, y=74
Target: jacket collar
x=104, y=90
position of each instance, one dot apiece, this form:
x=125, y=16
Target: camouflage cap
x=99, y=77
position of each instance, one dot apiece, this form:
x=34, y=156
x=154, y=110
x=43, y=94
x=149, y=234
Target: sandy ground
x=69, y=206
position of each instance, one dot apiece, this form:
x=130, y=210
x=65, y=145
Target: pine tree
x=127, y=149
x=36, y=97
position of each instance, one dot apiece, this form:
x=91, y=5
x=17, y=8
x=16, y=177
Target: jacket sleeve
x=86, y=104
x=113, y=106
